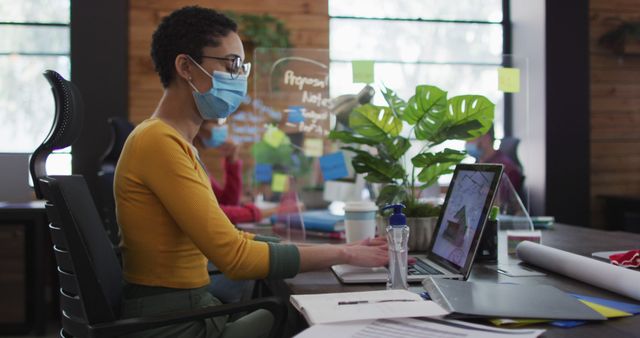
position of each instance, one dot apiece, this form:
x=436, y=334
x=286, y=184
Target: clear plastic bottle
x=397, y=239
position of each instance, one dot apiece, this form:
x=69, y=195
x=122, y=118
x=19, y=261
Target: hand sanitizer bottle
x=397, y=239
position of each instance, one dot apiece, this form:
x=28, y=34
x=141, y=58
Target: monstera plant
x=380, y=137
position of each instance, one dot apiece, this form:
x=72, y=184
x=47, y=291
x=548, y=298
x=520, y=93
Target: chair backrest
x=120, y=129
x=509, y=146
x=88, y=269
x=67, y=124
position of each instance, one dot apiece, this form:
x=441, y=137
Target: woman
x=170, y=219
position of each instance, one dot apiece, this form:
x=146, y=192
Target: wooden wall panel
x=615, y=109
x=307, y=21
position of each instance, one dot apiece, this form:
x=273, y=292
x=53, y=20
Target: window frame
x=67, y=151
x=506, y=50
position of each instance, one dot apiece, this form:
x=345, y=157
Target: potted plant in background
x=380, y=146
x=277, y=150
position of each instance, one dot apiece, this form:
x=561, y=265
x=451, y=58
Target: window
x=456, y=45
x=35, y=37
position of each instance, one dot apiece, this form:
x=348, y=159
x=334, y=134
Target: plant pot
x=420, y=231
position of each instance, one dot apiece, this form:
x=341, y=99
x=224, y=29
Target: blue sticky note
x=264, y=172
x=333, y=166
x=295, y=114
x=626, y=307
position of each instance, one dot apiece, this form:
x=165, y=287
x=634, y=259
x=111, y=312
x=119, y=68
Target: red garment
x=229, y=195
x=510, y=168
x=629, y=259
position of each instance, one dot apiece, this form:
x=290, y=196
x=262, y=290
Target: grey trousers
x=146, y=301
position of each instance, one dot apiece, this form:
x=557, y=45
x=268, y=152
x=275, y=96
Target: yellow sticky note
x=362, y=71
x=313, y=147
x=274, y=137
x=509, y=80
x=279, y=183
x=605, y=310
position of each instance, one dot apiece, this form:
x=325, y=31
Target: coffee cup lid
x=360, y=206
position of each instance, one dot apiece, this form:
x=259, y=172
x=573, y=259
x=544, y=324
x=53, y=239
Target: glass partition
x=300, y=95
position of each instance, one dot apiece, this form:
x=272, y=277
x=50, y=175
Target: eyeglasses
x=237, y=67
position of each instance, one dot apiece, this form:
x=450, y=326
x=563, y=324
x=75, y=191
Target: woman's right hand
x=367, y=255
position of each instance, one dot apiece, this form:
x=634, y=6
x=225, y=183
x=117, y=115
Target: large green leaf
x=435, y=165
x=349, y=137
x=463, y=110
x=396, y=104
x=426, y=111
x=378, y=170
x=375, y=122
x=429, y=175
x=394, y=147
x=446, y=156
x=391, y=194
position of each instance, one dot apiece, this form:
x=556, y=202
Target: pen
x=353, y=302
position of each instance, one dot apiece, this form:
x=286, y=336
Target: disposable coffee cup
x=360, y=220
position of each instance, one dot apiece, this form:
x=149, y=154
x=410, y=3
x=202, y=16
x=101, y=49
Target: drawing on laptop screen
x=462, y=215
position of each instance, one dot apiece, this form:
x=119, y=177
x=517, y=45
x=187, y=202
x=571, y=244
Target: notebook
x=473, y=299
x=457, y=234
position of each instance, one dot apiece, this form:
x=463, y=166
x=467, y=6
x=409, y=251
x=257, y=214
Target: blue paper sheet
x=568, y=323
x=314, y=220
x=626, y=307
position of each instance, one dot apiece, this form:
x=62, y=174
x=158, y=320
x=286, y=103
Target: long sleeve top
x=171, y=222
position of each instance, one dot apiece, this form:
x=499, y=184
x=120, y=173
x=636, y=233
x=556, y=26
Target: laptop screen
x=464, y=214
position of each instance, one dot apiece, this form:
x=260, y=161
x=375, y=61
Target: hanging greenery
x=262, y=30
x=622, y=38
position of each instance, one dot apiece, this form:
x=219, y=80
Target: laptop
x=457, y=233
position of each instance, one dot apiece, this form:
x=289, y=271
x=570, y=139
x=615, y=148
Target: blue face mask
x=473, y=150
x=217, y=138
x=223, y=98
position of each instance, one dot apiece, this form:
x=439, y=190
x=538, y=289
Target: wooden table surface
x=574, y=239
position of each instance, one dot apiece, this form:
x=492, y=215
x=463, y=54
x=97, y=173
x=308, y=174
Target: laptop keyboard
x=422, y=268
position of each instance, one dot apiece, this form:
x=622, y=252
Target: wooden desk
x=25, y=251
x=578, y=240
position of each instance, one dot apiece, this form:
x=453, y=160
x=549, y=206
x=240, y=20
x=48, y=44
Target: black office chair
x=509, y=146
x=120, y=129
x=88, y=270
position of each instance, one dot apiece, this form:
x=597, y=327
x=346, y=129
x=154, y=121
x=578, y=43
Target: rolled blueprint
x=607, y=276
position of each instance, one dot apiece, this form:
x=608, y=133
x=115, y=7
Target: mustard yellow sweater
x=171, y=223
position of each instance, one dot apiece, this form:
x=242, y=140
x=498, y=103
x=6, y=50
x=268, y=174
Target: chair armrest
x=125, y=326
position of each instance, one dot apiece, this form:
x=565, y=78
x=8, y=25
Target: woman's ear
x=183, y=66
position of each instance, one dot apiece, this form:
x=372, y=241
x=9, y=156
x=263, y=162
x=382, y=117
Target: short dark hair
x=187, y=31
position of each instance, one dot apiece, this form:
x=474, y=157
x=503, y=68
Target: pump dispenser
x=397, y=239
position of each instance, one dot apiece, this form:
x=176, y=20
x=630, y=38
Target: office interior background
x=584, y=98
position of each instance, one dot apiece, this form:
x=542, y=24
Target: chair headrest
x=67, y=124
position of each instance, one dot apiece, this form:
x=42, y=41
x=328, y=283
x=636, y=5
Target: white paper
x=326, y=308
x=607, y=276
x=605, y=254
x=412, y=328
